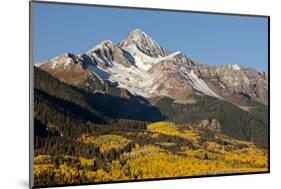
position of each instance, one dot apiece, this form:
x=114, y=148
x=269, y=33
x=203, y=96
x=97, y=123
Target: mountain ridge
x=132, y=64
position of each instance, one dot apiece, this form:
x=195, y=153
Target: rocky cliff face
x=141, y=66
x=233, y=82
x=212, y=125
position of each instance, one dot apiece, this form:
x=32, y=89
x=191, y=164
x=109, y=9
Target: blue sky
x=207, y=38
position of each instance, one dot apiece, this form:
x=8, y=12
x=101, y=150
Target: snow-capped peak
x=137, y=35
x=104, y=44
x=235, y=67
x=61, y=60
x=144, y=43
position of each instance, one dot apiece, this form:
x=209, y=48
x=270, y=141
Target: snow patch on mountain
x=201, y=85
x=143, y=61
x=135, y=78
x=129, y=78
x=98, y=71
x=236, y=67
x=63, y=60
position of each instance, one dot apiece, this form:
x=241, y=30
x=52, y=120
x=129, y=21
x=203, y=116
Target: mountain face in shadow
x=60, y=109
x=123, y=108
x=94, y=107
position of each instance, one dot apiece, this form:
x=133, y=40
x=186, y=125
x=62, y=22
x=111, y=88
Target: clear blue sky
x=207, y=38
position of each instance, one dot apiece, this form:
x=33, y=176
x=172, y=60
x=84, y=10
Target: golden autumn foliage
x=170, y=128
x=106, y=142
x=217, y=155
x=141, y=151
x=164, y=128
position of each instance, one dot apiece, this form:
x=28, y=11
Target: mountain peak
x=144, y=43
x=137, y=30
x=107, y=42
x=137, y=34
x=104, y=44
x=236, y=67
